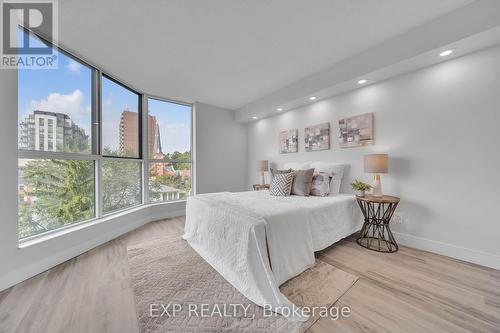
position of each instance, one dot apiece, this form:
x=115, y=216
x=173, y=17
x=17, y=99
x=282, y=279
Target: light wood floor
x=407, y=291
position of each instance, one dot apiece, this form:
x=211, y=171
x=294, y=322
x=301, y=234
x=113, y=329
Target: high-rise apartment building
x=51, y=131
x=129, y=134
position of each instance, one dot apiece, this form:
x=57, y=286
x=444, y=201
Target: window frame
x=148, y=160
x=93, y=155
x=142, y=134
x=140, y=96
x=96, y=153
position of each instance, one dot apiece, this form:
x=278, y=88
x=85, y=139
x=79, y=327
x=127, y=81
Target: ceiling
x=231, y=52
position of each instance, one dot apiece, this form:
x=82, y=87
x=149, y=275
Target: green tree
x=62, y=193
x=183, y=160
x=77, y=144
x=121, y=185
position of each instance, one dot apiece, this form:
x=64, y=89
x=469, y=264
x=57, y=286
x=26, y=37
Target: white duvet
x=257, y=241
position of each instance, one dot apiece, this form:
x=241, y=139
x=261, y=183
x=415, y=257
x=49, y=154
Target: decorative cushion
x=334, y=170
x=320, y=184
x=302, y=182
x=281, y=184
x=275, y=172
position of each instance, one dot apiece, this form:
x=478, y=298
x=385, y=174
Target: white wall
x=221, y=150
x=441, y=129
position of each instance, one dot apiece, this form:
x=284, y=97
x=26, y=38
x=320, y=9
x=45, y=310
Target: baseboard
x=449, y=250
x=26, y=272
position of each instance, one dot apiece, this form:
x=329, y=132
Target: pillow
x=297, y=166
x=335, y=170
x=281, y=184
x=320, y=185
x=302, y=182
x=275, y=172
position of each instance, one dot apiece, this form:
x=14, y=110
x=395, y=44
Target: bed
x=257, y=241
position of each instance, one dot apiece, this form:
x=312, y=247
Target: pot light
x=279, y=109
x=254, y=117
x=362, y=81
x=446, y=53
x=313, y=98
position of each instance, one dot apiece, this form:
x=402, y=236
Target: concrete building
x=51, y=131
x=129, y=133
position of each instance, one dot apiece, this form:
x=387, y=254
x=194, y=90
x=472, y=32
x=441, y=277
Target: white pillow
x=296, y=166
x=335, y=170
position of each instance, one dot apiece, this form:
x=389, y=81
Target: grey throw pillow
x=302, y=182
x=281, y=185
x=321, y=185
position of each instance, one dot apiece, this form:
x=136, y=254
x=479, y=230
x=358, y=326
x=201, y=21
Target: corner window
x=80, y=146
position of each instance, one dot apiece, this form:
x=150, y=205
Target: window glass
x=169, y=181
x=121, y=184
x=169, y=144
x=54, y=107
x=53, y=194
x=120, y=120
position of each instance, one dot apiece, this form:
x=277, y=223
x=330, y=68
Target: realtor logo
x=28, y=30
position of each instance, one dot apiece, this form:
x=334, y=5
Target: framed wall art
x=317, y=137
x=356, y=131
x=289, y=141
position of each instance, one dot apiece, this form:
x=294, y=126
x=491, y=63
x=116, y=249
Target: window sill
x=37, y=239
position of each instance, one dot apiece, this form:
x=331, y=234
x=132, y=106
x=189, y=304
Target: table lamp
x=376, y=164
x=263, y=168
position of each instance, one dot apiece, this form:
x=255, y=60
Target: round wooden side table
x=375, y=233
x=259, y=187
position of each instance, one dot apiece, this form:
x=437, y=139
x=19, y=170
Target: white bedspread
x=257, y=241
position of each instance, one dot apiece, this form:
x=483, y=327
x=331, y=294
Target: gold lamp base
x=377, y=186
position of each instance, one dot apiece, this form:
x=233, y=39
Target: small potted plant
x=360, y=187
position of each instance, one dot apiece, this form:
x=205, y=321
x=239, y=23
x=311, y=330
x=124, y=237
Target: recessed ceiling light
x=254, y=117
x=312, y=98
x=362, y=81
x=279, y=109
x=446, y=53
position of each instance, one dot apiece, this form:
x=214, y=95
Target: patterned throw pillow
x=321, y=185
x=276, y=171
x=281, y=184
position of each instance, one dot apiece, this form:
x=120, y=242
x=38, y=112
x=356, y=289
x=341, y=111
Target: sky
x=115, y=99
x=68, y=90
x=175, y=124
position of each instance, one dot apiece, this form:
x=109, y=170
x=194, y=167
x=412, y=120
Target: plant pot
x=361, y=193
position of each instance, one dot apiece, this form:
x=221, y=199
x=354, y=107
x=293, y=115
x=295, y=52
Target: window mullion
x=40, y=155
x=145, y=150
x=98, y=143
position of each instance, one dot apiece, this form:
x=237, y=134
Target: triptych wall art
x=354, y=131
